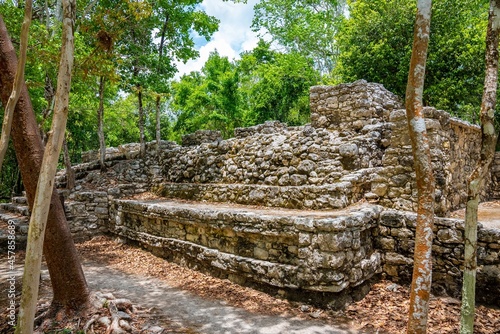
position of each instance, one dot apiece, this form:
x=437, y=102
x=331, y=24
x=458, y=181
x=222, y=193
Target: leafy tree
x=18, y=81
x=374, y=43
x=276, y=85
x=68, y=282
x=305, y=27
x=208, y=99
x=263, y=85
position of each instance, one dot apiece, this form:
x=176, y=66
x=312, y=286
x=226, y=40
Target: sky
x=233, y=37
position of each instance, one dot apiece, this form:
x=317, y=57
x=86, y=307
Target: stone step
x=16, y=208
x=322, y=251
x=20, y=200
x=347, y=190
x=21, y=225
x=335, y=196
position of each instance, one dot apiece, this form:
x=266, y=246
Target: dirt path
x=179, y=311
x=199, y=315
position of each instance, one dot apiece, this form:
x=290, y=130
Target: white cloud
x=233, y=37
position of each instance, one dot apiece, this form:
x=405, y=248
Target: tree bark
x=476, y=179
x=141, y=123
x=70, y=173
x=46, y=180
x=422, y=267
x=66, y=275
x=100, y=129
x=18, y=81
x=158, y=127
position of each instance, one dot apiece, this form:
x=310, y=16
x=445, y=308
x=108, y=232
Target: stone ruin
x=314, y=212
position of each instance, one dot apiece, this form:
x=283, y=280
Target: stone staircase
x=14, y=214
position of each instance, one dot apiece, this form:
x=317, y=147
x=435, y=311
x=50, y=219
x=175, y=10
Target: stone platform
x=324, y=252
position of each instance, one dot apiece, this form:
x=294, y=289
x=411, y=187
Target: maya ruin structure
x=314, y=212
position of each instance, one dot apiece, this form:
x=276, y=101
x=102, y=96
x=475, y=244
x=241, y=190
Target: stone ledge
x=334, y=196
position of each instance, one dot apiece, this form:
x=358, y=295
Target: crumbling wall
x=455, y=147
x=396, y=240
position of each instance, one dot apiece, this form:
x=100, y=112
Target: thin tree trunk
x=476, y=179
x=422, y=268
x=100, y=121
x=18, y=81
x=70, y=173
x=66, y=275
x=141, y=123
x=158, y=126
x=45, y=186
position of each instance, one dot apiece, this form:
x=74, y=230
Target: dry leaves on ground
x=383, y=310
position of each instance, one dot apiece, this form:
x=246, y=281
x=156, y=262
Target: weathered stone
x=449, y=236
x=306, y=166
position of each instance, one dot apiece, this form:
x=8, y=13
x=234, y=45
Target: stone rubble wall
x=289, y=166
x=455, y=147
x=495, y=177
x=351, y=106
x=395, y=238
x=200, y=137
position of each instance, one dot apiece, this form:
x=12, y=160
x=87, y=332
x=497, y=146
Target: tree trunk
x=422, y=267
x=70, y=173
x=158, y=127
x=18, y=81
x=141, y=123
x=46, y=180
x=476, y=179
x=66, y=275
x=100, y=130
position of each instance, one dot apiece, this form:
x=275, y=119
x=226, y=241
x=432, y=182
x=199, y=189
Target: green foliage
x=375, y=44
x=208, y=100
x=276, y=85
x=263, y=85
x=305, y=27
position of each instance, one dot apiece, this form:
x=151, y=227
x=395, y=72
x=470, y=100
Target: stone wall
x=494, y=185
x=395, y=239
x=278, y=166
x=352, y=106
x=455, y=147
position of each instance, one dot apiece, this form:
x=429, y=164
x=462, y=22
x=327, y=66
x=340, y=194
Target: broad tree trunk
x=422, y=267
x=18, y=82
x=158, y=126
x=66, y=275
x=70, y=173
x=476, y=179
x=100, y=129
x=141, y=123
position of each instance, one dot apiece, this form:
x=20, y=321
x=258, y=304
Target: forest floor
x=180, y=300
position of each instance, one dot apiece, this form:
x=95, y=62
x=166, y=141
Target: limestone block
x=395, y=258
x=306, y=167
x=348, y=150
x=334, y=242
x=449, y=235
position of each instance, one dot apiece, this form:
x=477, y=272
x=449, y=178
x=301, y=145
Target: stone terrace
x=311, y=212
